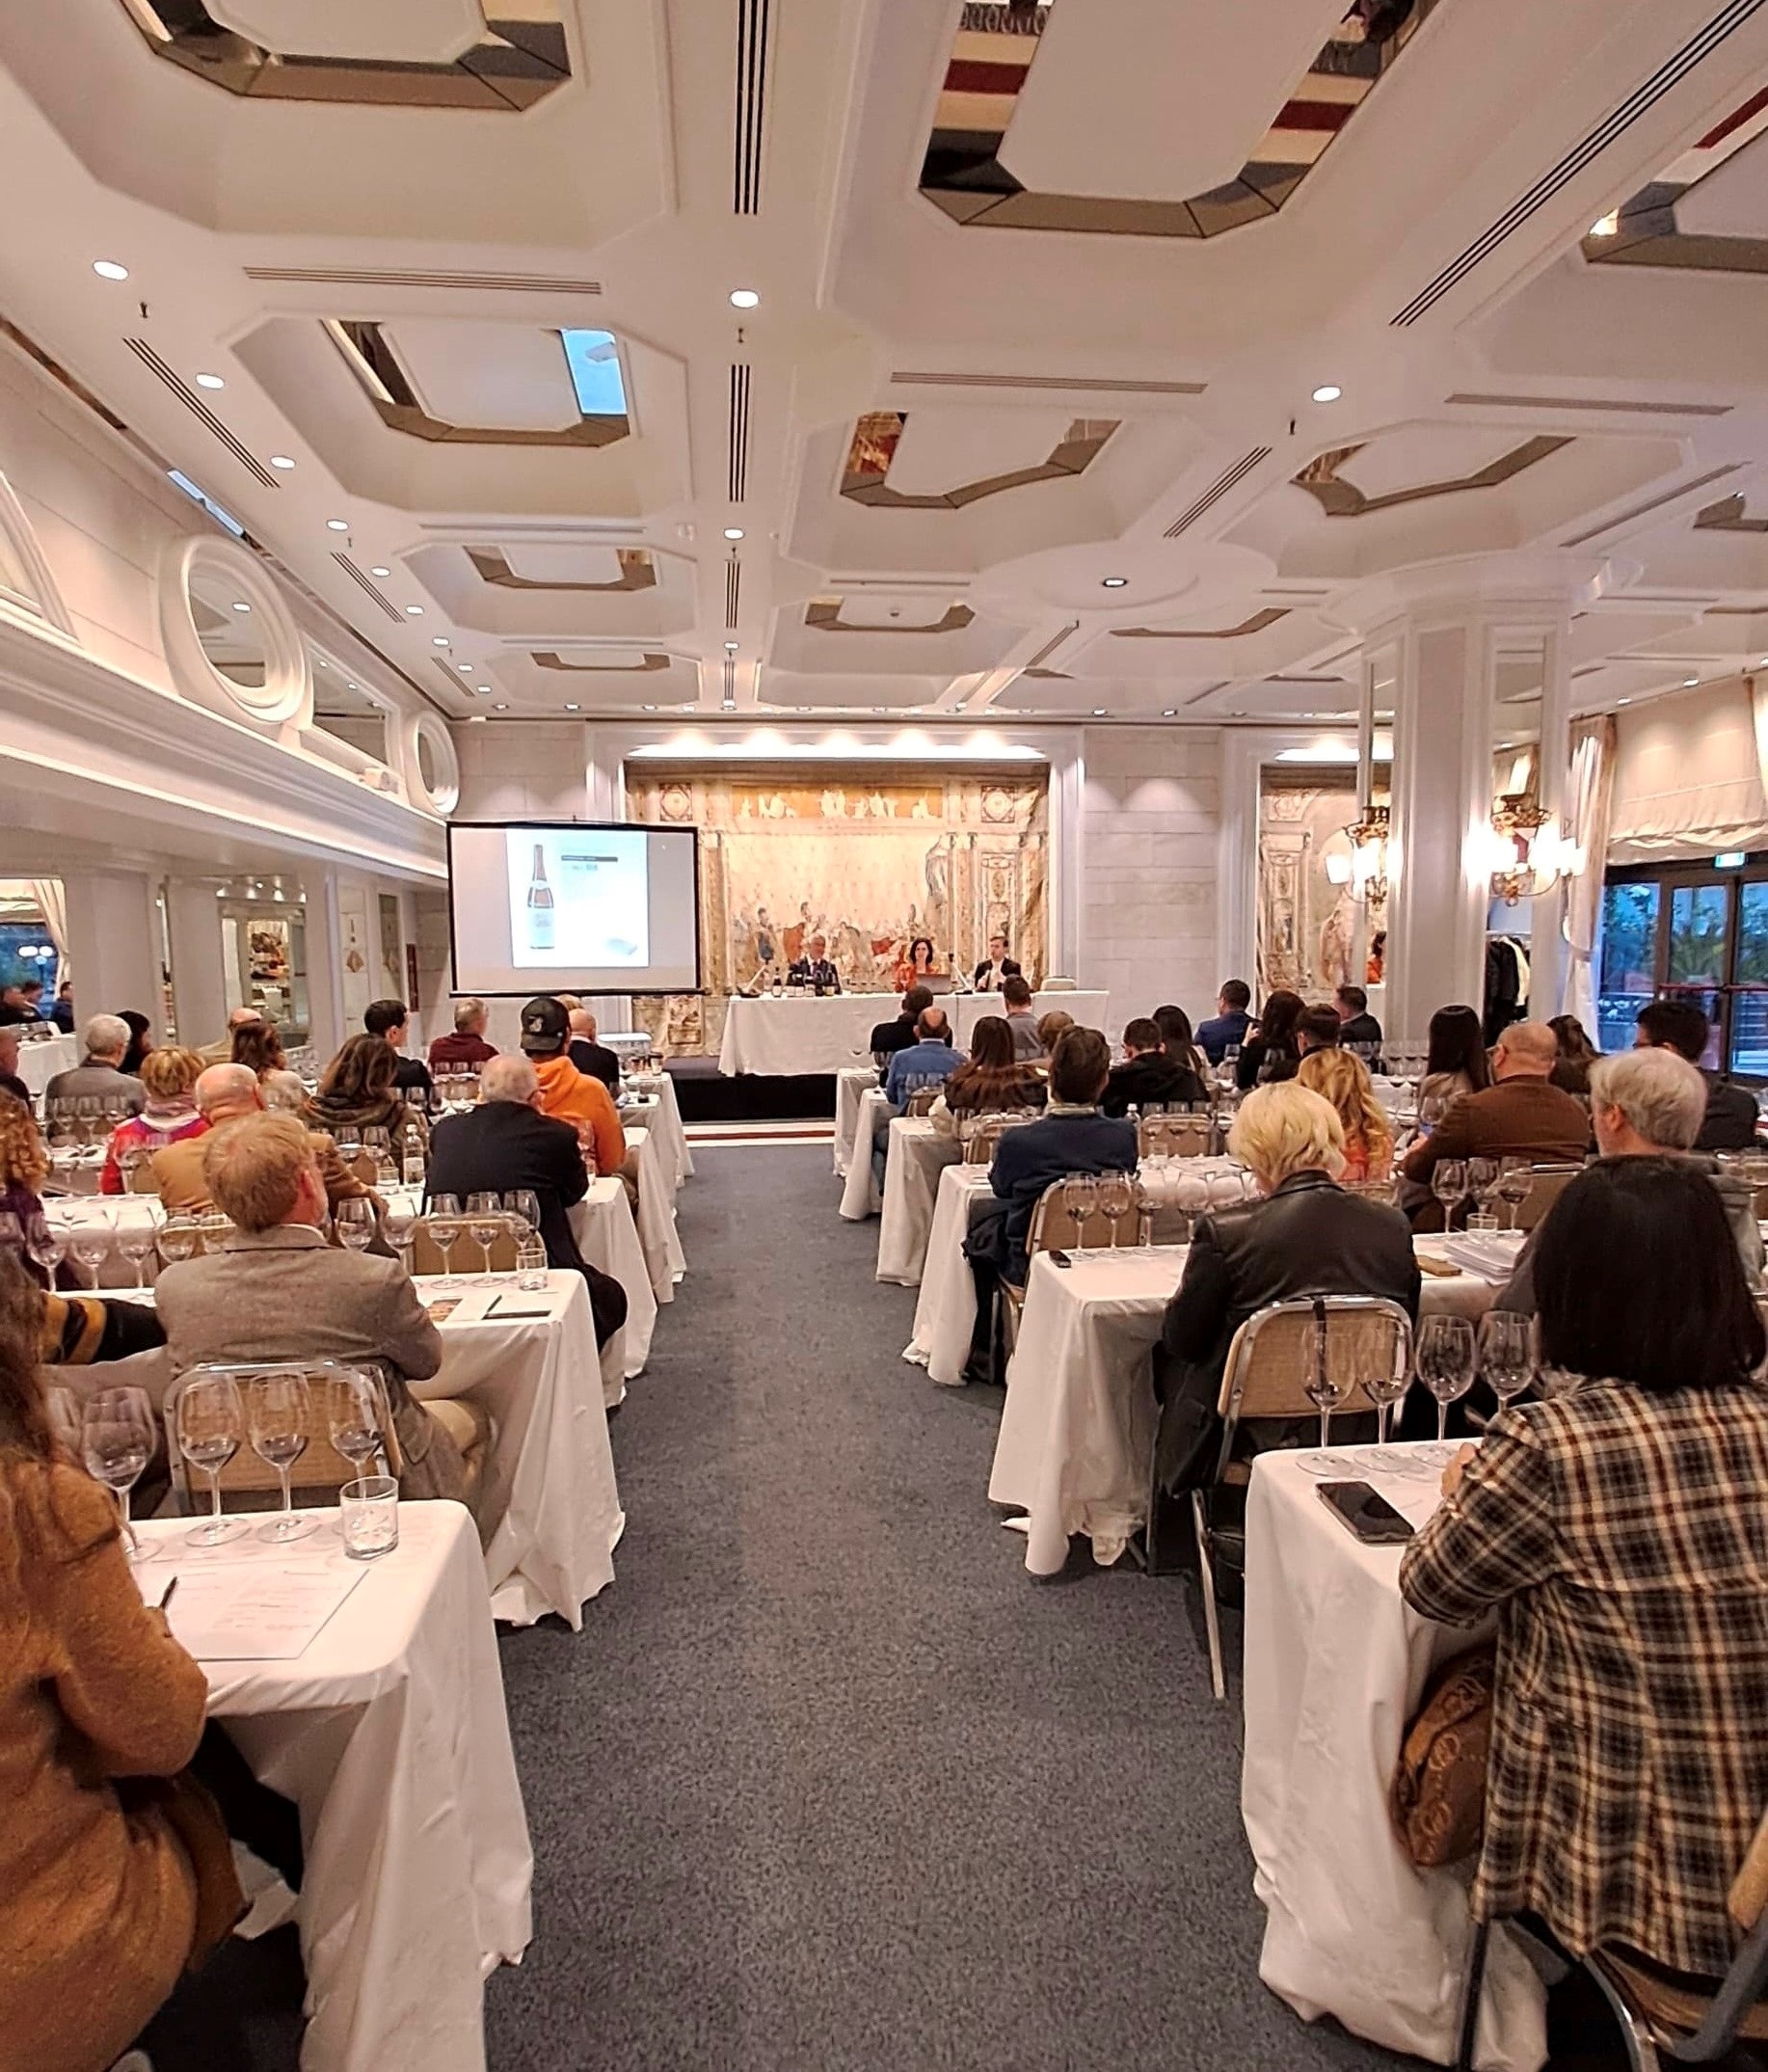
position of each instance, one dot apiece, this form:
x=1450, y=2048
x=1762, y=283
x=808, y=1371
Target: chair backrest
x=1270, y=1361
x=465, y=1255
x=321, y=1471
x=1546, y=1184
x=982, y=1134
x=1054, y=1227
x=920, y=1101
x=1177, y=1136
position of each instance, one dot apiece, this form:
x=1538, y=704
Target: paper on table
x=252, y=1612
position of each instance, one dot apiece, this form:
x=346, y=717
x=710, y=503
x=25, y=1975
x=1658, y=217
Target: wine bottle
x=540, y=904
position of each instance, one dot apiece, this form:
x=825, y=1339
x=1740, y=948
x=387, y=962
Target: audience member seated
x=1269, y=1050
x=1520, y=1116
x=1181, y=1047
x=1319, y=1028
x=357, y=1092
x=1576, y=1054
x=928, y=1061
x=1148, y=1077
x=141, y=1040
x=593, y=1059
x=464, y=1049
x=573, y=1096
x=21, y=1002
x=276, y=1290
x=221, y=1051
x=1229, y=1026
x=226, y=1094
x=1020, y=1017
x=24, y=1167
x=107, y=1894
x=1357, y=1025
x=1342, y=1078
x=258, y=1047
x=1680, y=1025
x=169, y=1078
x=1306, y=1237
x=990, y=1081
x=390, y=1021
x=504, y=1143
x=105, y=1042
x=889, y=1037
x=1650, y=1104
x=10, y=1081
x=61, y=1013
x=996, y=965
x=1616, y=1532
x=814, y=969
x=1051, y=1026
x=1455, y=1061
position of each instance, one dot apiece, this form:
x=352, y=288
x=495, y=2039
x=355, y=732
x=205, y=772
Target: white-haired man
x=1650, y=1104
x=464, y=1049
x=103, y=1042
x=228, y=1094
x=506, y=1143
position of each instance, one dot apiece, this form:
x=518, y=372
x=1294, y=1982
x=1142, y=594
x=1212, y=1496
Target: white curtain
x=1688, y=776
x=51, y=896
x=1589, y=808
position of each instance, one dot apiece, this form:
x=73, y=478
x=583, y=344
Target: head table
x=798, y=1033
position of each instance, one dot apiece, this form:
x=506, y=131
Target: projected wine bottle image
x=540, y=904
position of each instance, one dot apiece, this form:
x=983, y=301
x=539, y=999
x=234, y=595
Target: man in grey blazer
x=276, y=1290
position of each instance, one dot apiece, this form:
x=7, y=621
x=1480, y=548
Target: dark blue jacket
x=1215, y=1036
x=1031, y=1157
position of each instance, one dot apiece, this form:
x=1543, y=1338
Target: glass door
x=1689, y=933
x=1698, y=956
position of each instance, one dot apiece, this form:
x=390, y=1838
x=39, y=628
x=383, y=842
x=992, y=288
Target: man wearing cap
x=570, y=1095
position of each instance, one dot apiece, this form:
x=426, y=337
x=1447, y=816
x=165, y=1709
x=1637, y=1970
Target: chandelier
x=1365, y=868
x=1528, y=854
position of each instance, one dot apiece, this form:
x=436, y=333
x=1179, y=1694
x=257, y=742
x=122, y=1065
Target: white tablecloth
x=38, y=1063
x=807, y=1034
x=390, y=1735
x=1335, y=1665
x=859, y=1195
x=678, y=1159
x=1076, y=1443
x=946, y=1312
x=550, y=1510
x=658, y=1236
x=851, y=1086
x=918, y=1155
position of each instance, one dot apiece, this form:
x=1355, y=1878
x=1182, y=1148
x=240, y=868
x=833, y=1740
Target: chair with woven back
x=920, y=1101
x=982, y=1134
x=464, y=1254
x=1546, y=1184
x=1176, y=1135
x=320, y=1472
x=1269, y=1365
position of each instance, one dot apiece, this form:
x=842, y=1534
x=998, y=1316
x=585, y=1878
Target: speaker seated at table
x=814, y=969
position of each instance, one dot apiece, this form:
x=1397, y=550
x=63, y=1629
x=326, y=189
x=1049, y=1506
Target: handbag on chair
x=1438, y=1793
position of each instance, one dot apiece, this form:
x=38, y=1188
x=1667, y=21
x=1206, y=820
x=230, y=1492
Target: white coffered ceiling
x=1023, y=420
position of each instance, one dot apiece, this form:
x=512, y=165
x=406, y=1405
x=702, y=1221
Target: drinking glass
x=1117, y=1198
x=1081, y=1198
x=1507, y=1354
x=531, y=1263
x=1144, y=1214
x=1430, y=1111
x=136, y=1240
x=44, y=1246
x=1326, y=1390
x=1482, y=1181
x=352, y=1415
x=368, y=1517
x=354, y=1221
x=524, y=1203
x=211, y=1421
x=178, y=1237
x=88, y=1117
x=1516, y=1179
x=278, y=1410
x=63, y=1410
x=1444, y=1363
x=485, y=1212
x=118, y=1434
x=214, y=1228
x=1379, y=1359
x=397, y=1220
x=1449, y=1184
x=445, y=1235
x=90, y=1245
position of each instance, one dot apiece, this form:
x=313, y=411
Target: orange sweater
x=574, y=1098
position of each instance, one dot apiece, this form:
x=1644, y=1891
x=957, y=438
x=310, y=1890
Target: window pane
x=1698, y=934
x=1749, y=1011
x=1629, y=960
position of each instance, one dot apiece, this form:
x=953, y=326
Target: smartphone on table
x=1367, y=1513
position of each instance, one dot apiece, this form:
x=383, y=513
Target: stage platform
x=706, y=1094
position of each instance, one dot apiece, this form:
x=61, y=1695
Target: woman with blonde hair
x=170, y=1075
x=1341, y=1077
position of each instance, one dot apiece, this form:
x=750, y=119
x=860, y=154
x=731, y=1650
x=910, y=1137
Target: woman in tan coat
x=98, y=1904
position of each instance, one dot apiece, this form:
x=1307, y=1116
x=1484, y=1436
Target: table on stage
x=798, y=1033
x=389, y=1734
x=1335, y=1666
x=1076, y=1443
x=40, y=1062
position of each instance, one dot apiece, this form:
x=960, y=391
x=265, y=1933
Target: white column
x=112, y=939
x=1548, y=962
x=325, y=974
x=198, y=974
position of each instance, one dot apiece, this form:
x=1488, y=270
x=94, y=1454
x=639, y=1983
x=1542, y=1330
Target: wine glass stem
x=1443, y=1422
x=485, y=1254
x=288, y=1502
x=1381, y=1424
x=214, y=1476
x=1326, y=1428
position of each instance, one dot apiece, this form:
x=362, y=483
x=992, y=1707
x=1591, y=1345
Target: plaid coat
x=1623, y=1538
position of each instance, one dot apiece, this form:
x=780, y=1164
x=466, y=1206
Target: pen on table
x=166, y=1597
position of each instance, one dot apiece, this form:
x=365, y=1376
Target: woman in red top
x=170, y=1076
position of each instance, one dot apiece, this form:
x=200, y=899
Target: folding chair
x=1546, y=1184
x=319, y=1473
x=920, y=1101
x=1055, y=1227
x=464, y=1255
x=1265, y=1377
x=1177, y=1136
x=980, y=1136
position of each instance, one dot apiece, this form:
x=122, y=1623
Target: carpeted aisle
x=826, y=1783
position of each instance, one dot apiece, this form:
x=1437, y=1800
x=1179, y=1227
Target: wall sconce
x=1365, y=868
x=1529, y=855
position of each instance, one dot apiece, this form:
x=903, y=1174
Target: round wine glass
x=178, y=1237
x=90, y=1245
x=1444, y=1363
x=278, y=1408
x=484, y=1226
x=525, y=1204
x=1483, y=1181
x=1117, y=1198
x=354, y=1416
x=118, y=1436
x=44, y=1246
x=1325, y=1384
x=354, y=1221
x=136, y=1238
x=1449, y=1184
x=397, y=1220
x=445, y=1235
x=1080, y=1198
x=1507, y=1354
x=1516, y=1179
x=211, y=1424
x=1382, y=1370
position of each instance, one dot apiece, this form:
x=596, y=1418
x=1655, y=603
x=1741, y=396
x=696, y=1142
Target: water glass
x=1482, y=1223
x=1445, y=1364
x=530, y=1264
x=368, y=1517
x=279, y=1411
x=211, y=1422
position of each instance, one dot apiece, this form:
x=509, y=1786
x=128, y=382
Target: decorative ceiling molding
x=1632, y=406
x=638, y=572
x=1653, y=503
x=1339, y=498
x=824, y=614
x=648, y=665
x=877, y=435
x=375, y=365
x=1256, y=624
x=176, y=384
x=1229, y=478
x=962, y=174
x=1728, y=516
x=515, y=64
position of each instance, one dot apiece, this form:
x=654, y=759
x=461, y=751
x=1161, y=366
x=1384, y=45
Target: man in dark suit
x=814, y=969
x=1680, y=1025
x=1357, y=1025
x=996, y=966
x=594, y=1060
x=388, y=1020
x=1522, y=1114
x=1147, y=1074
x=505, y=1143
x=1232, y=1019
x=893, y=1037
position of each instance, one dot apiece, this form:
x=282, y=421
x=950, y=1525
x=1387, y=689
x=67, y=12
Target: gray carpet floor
x=827, y=1784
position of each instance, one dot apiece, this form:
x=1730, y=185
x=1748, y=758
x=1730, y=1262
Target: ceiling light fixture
x=573, y=708
x=477, y=719
x=241, y=608
x=1098, y=711
x=1113, y=582
x=730, y=647
x=210, y=381
x=482, y=691
x=1170, y=712
x=1624, y=701
x=733, y=533
x=501, y=706
x=280, y=459
x=465, y=667
x=1329, y=392
x=110, y=269
x=1606, y=226
x=337, y=524
x=413, y=611
x=744, y=298
x=379, y=572
x=1690, y=681
x=439, y=640
x=646, y=707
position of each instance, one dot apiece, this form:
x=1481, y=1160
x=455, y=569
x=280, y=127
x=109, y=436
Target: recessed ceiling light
x=337, y=524
x=573, y=708
x=439, y=640
x=1606, y=226
x=379, y=572
x=730, y=647
x=730, y=704
x=1329, y=392
x=210, y=381
x=1113, y=582
x=320, y=662
x=282, y=460
x=733, y=533
x=413, y=611
x=465, y=667
x=1689, y=682
x=241, y=608
x=1624, y=701
x=110, y=269
x=501, y=706
x=1098, y=711
x=1171, y=712
x=482, y=691
x=744, y=298
x=646, y=707
x=477, y=719
x=350, y=687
